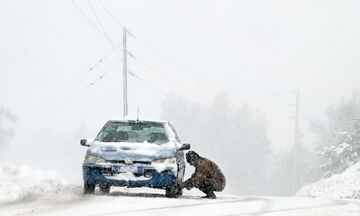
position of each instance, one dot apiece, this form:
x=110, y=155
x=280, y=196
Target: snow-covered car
x=135, y=153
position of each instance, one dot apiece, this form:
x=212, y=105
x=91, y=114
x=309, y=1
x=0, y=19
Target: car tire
x=105, y=188
x=179, y=191
x=173, y=191
x=89, y=188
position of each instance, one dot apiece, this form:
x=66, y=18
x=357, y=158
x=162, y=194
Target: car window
x=133, y=132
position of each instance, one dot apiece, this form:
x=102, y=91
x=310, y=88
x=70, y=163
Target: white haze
x=257, y=52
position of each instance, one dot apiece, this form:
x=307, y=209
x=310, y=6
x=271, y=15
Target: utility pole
x=296, y=148
x=125, y=103
x=296, y=132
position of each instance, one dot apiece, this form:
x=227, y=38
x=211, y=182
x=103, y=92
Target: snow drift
x=344, y=185
x=24, y=183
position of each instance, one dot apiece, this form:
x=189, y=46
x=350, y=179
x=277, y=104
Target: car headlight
x=165, y=160
x=93, y=159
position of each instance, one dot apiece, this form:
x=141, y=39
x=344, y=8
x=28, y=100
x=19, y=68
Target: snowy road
x=122, y=202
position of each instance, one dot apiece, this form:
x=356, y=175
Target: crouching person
x=207, y=177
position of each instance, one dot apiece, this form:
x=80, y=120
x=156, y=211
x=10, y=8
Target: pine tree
x=338, y=137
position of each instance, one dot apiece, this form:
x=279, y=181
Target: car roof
x=141, y=121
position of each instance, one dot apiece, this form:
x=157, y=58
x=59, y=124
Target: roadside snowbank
x=339, y=186
x=18, y=184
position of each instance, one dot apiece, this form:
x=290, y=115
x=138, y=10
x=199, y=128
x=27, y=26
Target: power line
x=146, y=45
x=131, y=55
x=156, y=51
x=103, y=33
x=189, y=71
x=68, y=86
x=168, y=79
x=108, y=12
x=87, y=18
x=102, y=28
x=104, y=74
x=172, y=61
x=66, y=100
x=157, y=72
x=147, y=83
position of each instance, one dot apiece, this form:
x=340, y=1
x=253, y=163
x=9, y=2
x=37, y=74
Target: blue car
x=135, y=153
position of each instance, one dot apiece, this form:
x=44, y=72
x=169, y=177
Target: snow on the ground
x=339, y=186
x=142, y=202
x=27, y=191
x=20, y=184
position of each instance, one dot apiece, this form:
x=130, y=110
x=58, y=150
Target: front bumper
x=147, y=175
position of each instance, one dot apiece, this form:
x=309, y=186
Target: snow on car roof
x=141, y=121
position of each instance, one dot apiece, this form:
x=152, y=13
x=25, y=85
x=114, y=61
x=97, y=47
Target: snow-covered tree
x=339, y=136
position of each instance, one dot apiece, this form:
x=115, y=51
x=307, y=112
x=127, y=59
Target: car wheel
x=89, y=188
x=105, y=188
x=173, y=191
x=179, y=191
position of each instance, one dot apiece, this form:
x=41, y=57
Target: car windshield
x=133, y=132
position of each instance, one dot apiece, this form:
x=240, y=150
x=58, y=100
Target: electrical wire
x=147, y=83
x=129, y=53
x=145, y=44
x=169, y=79
x=106, y=35
x=103, y=31
x=104, y=74
x=88, y=18
x=108, y=12
x=69, y=85
x=174, y=62
x=234, y=90
x=66, y=100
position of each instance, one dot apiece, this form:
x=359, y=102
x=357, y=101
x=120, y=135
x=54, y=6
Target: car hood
x=146, y=152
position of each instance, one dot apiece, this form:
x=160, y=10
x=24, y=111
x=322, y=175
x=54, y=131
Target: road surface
x=153, y=202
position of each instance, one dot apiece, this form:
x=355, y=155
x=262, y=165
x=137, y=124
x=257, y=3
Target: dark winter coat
x=205, y=168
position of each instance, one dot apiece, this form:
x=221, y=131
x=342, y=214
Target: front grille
x=123, y=162
x=149, y=170
x=152, y=170
x=104, y=169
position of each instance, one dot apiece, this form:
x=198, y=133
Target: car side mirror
x=185, y=146
x=83, y=142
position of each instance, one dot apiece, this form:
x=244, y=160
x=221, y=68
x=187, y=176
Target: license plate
x=128, y=169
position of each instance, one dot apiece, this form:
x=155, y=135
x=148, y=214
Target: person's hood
x=146, y=152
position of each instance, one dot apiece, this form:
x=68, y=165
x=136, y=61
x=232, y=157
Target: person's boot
x=210, y=195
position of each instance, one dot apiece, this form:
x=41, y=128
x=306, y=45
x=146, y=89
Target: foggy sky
x=259, y=52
